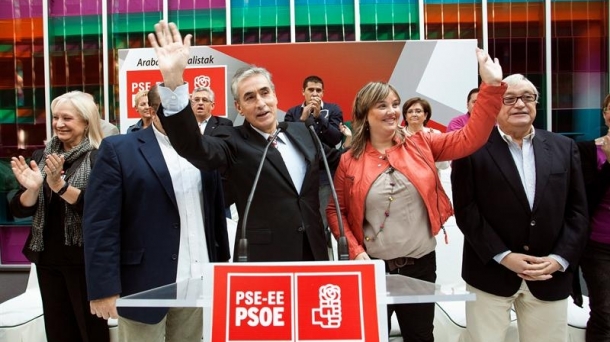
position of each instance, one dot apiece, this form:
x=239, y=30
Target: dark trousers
x=416, y=321
x=595, y=266
x=67, y=316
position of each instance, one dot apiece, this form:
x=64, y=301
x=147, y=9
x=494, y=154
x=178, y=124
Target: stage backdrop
x=442, y=72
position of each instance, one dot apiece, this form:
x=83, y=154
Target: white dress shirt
x=525, y=161
x=187, y=184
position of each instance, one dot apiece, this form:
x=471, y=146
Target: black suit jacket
x=280, y=218
x=214, y=122
x=327, y=124
x=132, y=224
x=492, y=210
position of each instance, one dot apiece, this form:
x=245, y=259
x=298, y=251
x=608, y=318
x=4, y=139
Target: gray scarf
x=77, y=178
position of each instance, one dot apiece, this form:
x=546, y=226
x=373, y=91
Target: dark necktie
x=273, y=141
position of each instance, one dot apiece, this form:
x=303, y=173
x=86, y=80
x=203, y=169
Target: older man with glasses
x=202, y=102
x=520, y=202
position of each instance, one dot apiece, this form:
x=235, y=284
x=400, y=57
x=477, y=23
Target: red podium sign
x=305, y=302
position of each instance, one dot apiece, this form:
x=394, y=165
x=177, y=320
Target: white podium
x=305, y=301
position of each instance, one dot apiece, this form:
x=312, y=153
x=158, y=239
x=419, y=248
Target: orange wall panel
x=20, y=29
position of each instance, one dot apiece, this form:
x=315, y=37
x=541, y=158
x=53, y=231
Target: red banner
x=214, y=77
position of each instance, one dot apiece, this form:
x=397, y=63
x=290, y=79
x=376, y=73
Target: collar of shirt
x=509, y=139
x=204, y=121
x=280, y=136
x=161, y=138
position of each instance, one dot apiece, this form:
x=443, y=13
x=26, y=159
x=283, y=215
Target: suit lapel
x=544, y=159
x=149, y=146
x=297, y=138
x=499, y=152
x=212, y=122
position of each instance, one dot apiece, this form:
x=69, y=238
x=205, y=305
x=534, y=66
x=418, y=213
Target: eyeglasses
x=201, y=99
x=418, y=111
x=526, y=98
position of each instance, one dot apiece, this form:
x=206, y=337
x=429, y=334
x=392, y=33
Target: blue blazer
x=132, y=226
x=327, y=125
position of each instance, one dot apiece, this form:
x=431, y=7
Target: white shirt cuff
x=563, y=262
x=174, y=101
x=498, y=258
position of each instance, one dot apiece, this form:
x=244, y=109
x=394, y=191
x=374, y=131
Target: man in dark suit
x=326, y=117
x=284, y=222
x=520, y=202
x=153, y=219
x=202, y=102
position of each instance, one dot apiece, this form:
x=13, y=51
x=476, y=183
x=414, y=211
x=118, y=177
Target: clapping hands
x=28, y=176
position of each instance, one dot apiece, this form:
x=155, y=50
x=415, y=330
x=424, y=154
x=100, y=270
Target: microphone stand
x=242, y=248
x=342, y=250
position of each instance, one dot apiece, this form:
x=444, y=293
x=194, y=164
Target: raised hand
x=28, y=176
x=490, y=70
x=345, y=130
x=172, y=52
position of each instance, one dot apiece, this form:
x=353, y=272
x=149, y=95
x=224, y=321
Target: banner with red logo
x=214, y=77
x=298, y=302
x=414, y=68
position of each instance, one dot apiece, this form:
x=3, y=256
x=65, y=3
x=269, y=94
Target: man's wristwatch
x=63, y=189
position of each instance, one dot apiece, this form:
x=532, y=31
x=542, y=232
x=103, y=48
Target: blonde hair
x=138, y=97
x=88, y=111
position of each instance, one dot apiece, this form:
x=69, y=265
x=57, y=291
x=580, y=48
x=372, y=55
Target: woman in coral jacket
x=390, y=195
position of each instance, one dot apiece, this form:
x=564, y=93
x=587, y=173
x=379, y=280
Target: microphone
x=342, y=241
x=242, y=248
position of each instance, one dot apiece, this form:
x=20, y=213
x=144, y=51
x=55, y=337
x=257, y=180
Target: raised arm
x=172, y=52
x=463, y=142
